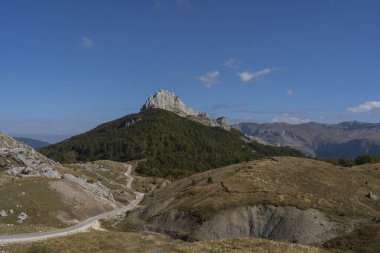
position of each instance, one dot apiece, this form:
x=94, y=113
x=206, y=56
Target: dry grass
x=363, y=240
x=33, y=196
x=248, y=245
x=99, y=242
x=282, y=181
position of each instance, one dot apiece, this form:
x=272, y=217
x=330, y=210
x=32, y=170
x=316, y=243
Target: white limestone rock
x=25, y=161
x=22, y=217
x=166, y=100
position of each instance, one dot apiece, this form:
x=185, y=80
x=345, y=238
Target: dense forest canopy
x=167, y=144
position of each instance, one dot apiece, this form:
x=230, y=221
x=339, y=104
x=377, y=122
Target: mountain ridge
x=344, y=139
x=34, y=143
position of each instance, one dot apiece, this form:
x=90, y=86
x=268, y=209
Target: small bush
x=91, y=181
x=345, y=162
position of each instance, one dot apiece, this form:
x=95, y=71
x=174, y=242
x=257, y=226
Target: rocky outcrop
x=166, y=100
x=22, y=217
x=5, y=213
x=371, y=196
x=20, y=159
x=96, y=189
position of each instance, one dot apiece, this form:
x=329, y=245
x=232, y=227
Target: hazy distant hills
x=346, y=139
x=36, y=144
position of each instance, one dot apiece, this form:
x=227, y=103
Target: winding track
x=80, y=227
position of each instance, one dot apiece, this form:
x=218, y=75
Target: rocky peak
x=164, y=99
x=167, y=100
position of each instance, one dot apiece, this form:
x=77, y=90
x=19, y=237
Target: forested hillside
x=172, y=146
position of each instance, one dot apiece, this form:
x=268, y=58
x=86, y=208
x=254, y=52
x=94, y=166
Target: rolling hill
x=283, y=198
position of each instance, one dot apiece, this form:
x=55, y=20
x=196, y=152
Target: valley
x=139, y=184
x=189, y=126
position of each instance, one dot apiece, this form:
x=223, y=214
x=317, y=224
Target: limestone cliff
x=166, y=100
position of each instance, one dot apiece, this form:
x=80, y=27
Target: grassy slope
x=174, y=146
x=99, y=242
x=284, y=181
x=43, y=204
x=38, y=201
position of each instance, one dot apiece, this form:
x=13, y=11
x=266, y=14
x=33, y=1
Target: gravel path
x=80, y=227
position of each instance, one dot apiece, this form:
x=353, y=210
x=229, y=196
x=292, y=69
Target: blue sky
x=67, y=66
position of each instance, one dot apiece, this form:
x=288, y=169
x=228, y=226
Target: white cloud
x=290, y=93
x=87, y=42
x=366, y=107
x=232, y=63
x=184, y=3
x=247, y=76
x=210, y=78
x=290, y=119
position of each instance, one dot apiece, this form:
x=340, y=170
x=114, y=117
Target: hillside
x=346, y=139
x=288, y=199
x=173, y=146
x=48, y=195
x=20, y=158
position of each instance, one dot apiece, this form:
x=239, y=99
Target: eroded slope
x=291, y=199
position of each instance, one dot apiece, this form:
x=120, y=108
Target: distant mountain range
x=346, y=139
x=36, y=144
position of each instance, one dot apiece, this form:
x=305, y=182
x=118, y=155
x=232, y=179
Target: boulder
x=371, y=196
x=22, y=217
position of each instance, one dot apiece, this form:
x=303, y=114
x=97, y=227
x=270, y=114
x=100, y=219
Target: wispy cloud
x=286, y=118
x=184, y=3
x=87, y=42
x=210, y=78
x=366, y=107
x=247, y=76
x=232, y=63
x=289, y=92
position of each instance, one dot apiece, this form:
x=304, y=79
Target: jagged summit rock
x=167, y=100
x=20, y=159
